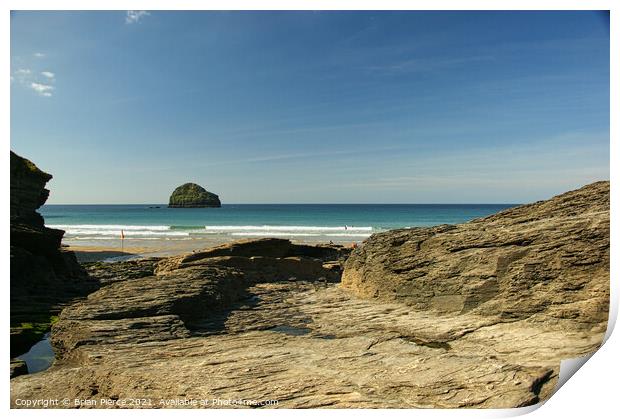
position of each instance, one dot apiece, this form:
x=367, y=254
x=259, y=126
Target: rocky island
x=472, y=315
x=191, y=195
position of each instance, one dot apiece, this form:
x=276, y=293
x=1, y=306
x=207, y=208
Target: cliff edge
x=43, y=276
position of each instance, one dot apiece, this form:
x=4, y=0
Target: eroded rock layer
x=546, y=262
x=43, y=276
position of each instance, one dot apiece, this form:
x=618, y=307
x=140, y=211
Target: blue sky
x=312, y=107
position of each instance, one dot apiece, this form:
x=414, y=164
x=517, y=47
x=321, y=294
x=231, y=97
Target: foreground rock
x=43, y=276
x=190, y=195
x=232, y=324
x=305, y=344
x=546, y=262
x=107, y=273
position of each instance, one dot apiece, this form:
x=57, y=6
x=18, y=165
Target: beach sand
x=112, y=250
x=99, y=253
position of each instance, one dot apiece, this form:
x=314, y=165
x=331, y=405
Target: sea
x=95, y=224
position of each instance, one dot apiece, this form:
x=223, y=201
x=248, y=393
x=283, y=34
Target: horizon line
x=317, y=203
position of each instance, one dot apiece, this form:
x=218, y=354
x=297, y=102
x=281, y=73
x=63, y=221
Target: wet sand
x=93, y=254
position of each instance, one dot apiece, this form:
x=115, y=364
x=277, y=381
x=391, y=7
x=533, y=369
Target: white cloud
x=21, y=75
x=39, y=82
x=42, y=89
x=39, y=54
x=134, y=16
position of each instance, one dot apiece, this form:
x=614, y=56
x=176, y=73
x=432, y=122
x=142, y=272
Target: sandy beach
x=112, y=252
x=96, y=253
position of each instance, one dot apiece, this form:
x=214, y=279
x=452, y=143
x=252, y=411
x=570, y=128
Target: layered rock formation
x=43, y=276
x=547, y=262
x=190, y=195
x=151, y=302
x=263, y=320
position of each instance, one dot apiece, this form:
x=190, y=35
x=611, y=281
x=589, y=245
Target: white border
x=592, y=392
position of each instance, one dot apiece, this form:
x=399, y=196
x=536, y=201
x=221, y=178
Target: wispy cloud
x=274, y=158
x=22, y=75
x=42, y=89
x=556, y=163
x=135, y=16
x=330, y=153
x=417, y=65
x=32, y=78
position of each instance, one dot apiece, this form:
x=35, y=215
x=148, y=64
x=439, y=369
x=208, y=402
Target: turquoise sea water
x=338, y=222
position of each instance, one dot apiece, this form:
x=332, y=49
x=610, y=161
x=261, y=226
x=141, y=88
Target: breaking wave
x=80, y=231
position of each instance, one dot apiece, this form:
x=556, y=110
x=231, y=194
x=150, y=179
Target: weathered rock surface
x=305, y=344
x=191, y=195
x=135, y=306
x=279, y=260
x=43, y=276
x=106, y=273
x=231, y=323
x=546, y=262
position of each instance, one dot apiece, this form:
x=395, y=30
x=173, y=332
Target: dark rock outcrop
x=43, y=276
x=18, y=367
x=191, y=195
x=268, y=259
